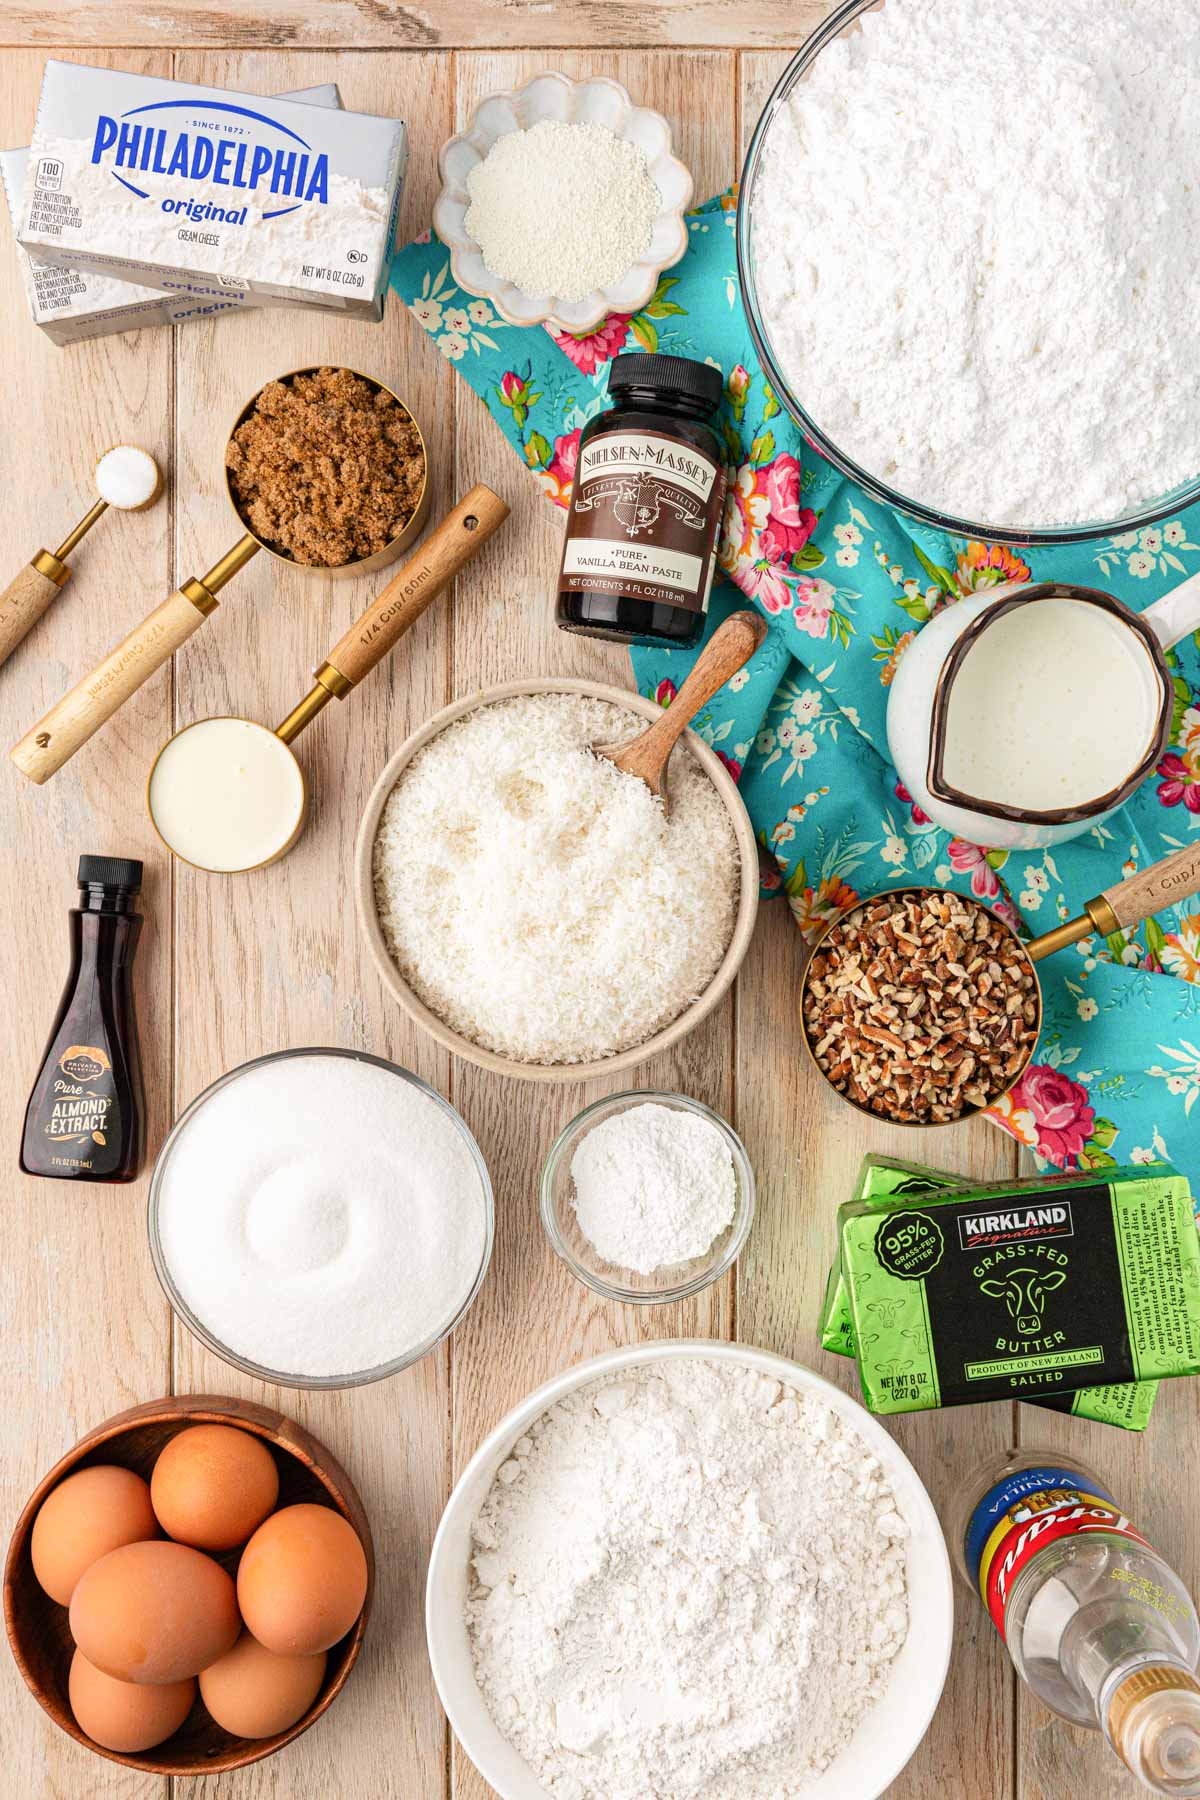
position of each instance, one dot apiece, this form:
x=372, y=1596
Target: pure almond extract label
x=644, y=520
x=78, y=1104
x=958, y=1299
x=1023, y=1514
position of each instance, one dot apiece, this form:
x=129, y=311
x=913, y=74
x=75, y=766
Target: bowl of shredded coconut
x=562, y=202
x=647, y=1197
x=981, y=308
x=689, y=1568
x=537, y=910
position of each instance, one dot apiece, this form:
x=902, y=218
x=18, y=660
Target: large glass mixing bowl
x=845, y=18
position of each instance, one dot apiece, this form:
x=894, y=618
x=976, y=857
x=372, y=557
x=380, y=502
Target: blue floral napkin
x=845, y=584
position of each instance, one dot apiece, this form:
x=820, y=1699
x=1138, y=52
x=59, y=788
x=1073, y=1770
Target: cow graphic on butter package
x=957, y=1296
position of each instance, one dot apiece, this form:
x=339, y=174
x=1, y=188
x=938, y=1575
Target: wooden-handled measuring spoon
x=731, y=645
x=125, y=477
x=227, y=794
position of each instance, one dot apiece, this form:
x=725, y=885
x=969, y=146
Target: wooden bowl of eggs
x=187, y=1590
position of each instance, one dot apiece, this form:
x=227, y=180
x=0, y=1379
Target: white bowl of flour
x=320, y=1218
x=689, y=1569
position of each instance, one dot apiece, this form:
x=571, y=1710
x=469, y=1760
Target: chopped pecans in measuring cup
x=921, y=1007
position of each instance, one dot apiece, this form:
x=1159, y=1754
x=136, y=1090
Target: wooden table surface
x=232, y=968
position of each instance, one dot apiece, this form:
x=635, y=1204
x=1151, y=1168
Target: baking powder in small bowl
x=320, y=1218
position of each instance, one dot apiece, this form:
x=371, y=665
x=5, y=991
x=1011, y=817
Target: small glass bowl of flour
x=648, y=1197
x=320, y=1218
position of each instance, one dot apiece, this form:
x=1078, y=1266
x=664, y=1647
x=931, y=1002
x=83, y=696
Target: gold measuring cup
x=227, y=794
x=93, y=701
x=1117, y=909
x=45, y=575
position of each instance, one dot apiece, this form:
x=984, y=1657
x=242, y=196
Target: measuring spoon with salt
x=731, y=645
x=125, y=477
x=227, y=795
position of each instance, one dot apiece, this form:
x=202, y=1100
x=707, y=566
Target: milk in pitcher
x=1054, y=705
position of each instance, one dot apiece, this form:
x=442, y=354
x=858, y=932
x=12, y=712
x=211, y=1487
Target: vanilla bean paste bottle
x=84, y=1120
x=645, y=512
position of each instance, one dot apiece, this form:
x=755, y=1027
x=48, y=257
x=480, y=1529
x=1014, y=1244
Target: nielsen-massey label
x=77, y=1112
x=644, y=519
x=1020, y=1516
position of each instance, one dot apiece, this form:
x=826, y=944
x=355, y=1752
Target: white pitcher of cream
x=1023, y=715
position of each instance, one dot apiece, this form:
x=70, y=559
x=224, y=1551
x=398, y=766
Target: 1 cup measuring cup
x=227, y=794
x=1025, y=714
x=93, y=701
x=886, y=1054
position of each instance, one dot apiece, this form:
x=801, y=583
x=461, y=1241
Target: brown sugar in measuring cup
x=922, y=1006
x=93, y=701
x=326, y=468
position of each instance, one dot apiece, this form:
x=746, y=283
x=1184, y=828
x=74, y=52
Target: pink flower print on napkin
x=1049, y=1113
x=593, y=349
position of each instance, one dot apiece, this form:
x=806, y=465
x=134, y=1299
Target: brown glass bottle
x=85, y=1117
x=645, y=512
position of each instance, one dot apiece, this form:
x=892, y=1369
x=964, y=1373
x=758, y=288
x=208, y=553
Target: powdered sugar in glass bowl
x=597, y=102
x=674, y=1282
x=829, y=50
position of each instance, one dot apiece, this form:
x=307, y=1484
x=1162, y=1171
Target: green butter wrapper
x=879, y=1179
x=1023, y=1291
x=1127, y=1405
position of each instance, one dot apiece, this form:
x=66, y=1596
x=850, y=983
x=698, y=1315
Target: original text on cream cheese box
x=165, y=184
x=72, y=305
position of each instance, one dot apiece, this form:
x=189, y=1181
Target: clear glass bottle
x=1099, y=1626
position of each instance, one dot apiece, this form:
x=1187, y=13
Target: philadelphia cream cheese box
x=162, y=182
x=71, y=305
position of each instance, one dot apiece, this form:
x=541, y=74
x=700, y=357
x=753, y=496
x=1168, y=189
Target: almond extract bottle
x=646, y=508
x=85, y=1117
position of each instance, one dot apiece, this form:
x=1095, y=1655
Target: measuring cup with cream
x=228, y=794
x=1022, y=716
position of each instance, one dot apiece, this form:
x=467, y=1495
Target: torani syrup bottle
x=1100, y=1627
x=84, y=1120
x=646, y=508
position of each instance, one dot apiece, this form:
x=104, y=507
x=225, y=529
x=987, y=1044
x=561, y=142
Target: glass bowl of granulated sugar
x=562, y=202
x=320, y=1218
x=648, y=1197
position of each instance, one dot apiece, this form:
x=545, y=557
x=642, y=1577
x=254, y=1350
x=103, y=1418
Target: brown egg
x=87, y=1515
x=302, y=1580
x=122, y=1716
x=213, y=1486
x=253, y=1693
x=154, y=1613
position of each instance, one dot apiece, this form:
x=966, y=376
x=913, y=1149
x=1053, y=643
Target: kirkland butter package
x=1016, y=1294
x=71, y=305
x=164, y=183
x=880, y=1180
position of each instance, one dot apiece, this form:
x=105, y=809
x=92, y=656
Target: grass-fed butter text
x=170, y=185
x=886, y=1185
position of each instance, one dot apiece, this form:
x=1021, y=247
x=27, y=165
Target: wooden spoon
x=647, y=755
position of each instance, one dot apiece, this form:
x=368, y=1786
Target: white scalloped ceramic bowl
x=598, y=101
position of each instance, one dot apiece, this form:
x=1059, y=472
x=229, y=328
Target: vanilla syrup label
x=1024, y=1513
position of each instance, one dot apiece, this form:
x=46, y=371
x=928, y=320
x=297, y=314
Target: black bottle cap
x=670, y=374
x=110, y=871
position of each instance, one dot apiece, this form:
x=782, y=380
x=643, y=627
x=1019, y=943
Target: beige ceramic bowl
x=393, y=980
